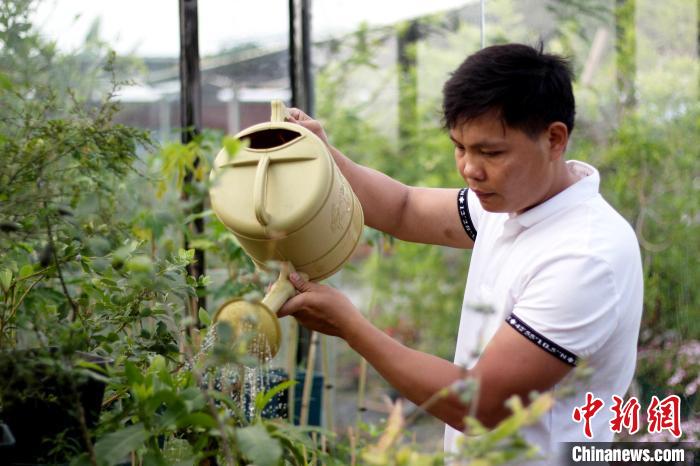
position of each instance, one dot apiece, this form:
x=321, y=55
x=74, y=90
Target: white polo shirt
x=567, y=275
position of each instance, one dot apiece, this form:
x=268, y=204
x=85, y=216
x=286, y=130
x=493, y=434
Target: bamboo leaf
x=263, y=398
x=204, y=317
x=5, y=279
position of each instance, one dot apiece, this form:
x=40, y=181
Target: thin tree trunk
x=191, y=121
x=406, y=41
x=626, y=56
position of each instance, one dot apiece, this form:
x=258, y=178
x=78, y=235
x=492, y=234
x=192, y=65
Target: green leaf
x=203, y=244
x=5, y=82
x=158, y=364
x=232, y=146
x=257, y=445
x=114, y=447
x=197, y=420
x=139, y=264
x=263, y=398
x=187, y=461
x=91, y=366
x=133, y=374
x=26, y=270
x=204, y=317
x=152, y=458
x=198, y=215
x=5, y=279
x=108, y=282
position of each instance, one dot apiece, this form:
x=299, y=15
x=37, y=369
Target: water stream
x=243, y=382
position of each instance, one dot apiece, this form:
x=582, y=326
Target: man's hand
x=321, y=308
x=302, y=119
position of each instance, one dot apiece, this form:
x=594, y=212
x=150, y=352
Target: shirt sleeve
x=568, y=307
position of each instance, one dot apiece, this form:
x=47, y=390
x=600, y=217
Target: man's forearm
x=416, y=375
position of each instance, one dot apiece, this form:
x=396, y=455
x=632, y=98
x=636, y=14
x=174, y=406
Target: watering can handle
x=260, y=190
x=279, y=111
x=279, y=114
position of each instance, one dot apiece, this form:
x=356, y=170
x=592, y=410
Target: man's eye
x=491, y=153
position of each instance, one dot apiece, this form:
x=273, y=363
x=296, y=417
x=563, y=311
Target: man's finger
x=297, y=114
x=292, y=305
x=300, y=283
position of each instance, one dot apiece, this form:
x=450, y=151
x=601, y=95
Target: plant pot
x=267, y=380
x=7, y=440
x=48, y=407
x=315, y=400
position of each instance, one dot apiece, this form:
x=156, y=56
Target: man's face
x=508, y=170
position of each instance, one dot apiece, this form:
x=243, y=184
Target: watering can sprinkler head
x=254, y=324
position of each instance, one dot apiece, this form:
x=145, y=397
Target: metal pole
x=483, y=23
x=191, y=119
x=301, y=83
x=300, y=76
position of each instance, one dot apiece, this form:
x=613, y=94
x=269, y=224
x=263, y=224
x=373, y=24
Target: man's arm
x=510, y=364
x=420, y=215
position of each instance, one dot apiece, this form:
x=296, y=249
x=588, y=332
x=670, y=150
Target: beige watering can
x=285, y=200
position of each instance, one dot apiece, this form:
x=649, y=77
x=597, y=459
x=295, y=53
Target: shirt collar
x=584, y=189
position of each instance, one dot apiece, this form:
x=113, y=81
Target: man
x=557, y=267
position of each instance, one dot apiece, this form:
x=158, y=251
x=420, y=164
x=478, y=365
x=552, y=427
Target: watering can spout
x=281, y=290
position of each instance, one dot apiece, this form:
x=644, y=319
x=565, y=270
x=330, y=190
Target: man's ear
x=558, y=138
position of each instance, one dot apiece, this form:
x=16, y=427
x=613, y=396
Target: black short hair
x=528, y=88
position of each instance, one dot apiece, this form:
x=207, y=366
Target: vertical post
x=301, y=82
x=300, y=75
x=483, y=23
x=191, y=120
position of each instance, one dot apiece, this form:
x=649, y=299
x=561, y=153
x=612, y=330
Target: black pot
x=46, y=405
x=7, y=440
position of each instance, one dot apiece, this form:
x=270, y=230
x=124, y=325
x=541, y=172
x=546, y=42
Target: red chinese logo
x=626, y=415
x=661, y=414
x=665, y=415
x=586, y=412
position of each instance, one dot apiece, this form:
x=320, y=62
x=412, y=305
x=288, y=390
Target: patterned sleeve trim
x=463, y=209
x=543, y=342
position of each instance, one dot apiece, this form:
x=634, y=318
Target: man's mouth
x=482, y=194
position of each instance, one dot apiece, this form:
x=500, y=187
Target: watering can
x=284, y=199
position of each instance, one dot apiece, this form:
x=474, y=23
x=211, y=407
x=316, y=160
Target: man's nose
x=473, y=168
